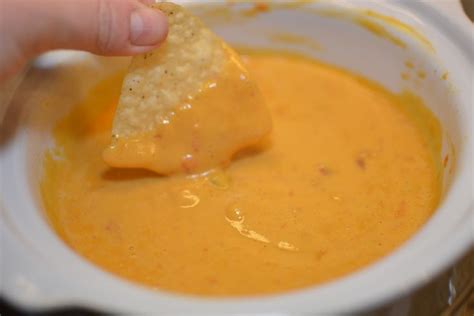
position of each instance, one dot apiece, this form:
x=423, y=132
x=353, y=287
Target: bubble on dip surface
x=349, y=173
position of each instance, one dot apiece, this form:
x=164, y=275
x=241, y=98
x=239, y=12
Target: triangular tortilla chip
x=188, y=105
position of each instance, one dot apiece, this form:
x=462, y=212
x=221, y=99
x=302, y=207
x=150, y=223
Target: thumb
x=106, y=27
x=109, y=27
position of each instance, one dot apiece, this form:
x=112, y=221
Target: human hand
x=105, y=27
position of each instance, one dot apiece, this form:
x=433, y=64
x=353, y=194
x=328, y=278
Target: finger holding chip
x=187, y=106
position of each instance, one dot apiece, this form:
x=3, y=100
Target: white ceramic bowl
x=40, y=271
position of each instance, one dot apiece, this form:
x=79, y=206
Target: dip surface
x=349, y=173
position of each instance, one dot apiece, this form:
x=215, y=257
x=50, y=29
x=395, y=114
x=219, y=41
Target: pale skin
x=105, y=27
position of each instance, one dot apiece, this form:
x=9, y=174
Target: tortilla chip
x=187, y=106
x=160, y=80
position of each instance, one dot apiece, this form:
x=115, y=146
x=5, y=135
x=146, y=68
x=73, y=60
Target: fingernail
x=147, y=27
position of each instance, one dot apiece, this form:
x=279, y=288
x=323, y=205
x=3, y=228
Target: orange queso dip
x=349, y=172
